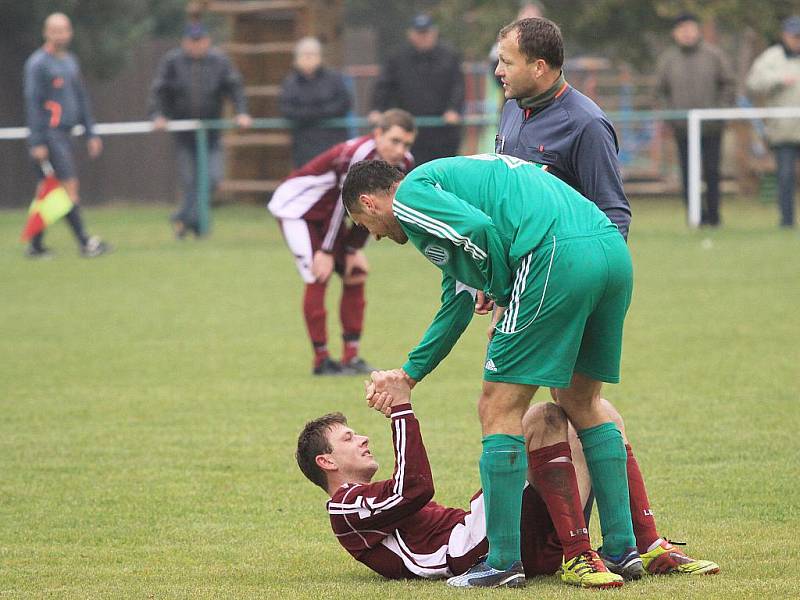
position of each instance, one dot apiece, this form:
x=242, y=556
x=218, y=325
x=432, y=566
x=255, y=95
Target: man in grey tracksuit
x=56, y=101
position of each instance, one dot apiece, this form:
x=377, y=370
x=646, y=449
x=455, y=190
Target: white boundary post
x=694, y=176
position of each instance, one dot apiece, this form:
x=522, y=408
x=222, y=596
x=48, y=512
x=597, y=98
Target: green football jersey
x=475, y=218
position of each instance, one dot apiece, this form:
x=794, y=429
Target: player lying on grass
x=397, y=530
x=498, y=226
x=310, y=213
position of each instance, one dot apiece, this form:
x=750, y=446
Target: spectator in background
x=775, y=75
x=191, y=83
x=310, y=93
x=425, y=79
x=527, y=10
x=55, y=101
x=695, y=74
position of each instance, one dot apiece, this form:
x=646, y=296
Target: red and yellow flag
x=50, y=204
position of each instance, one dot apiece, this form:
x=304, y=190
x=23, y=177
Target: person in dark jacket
x=309, y=94
x=191, y=83
x=425, y=79
x=548, y=122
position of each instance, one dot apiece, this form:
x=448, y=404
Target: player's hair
x=397, y=116
x=312, y=442
x=368, y=177
x=537, y=37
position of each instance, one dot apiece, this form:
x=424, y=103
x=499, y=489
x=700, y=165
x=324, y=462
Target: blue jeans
x=786, y=156
x=186, y=148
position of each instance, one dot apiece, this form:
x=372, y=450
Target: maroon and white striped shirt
x=394, y=527
x=313, y=192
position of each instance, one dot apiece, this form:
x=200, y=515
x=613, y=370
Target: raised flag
x=50, y=204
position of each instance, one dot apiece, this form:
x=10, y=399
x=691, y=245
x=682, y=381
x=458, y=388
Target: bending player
x=397, y=530
x=498, y=224
x=310, y=213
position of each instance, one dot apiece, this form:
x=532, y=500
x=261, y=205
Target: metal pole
x=203, y=183
x=694, y=160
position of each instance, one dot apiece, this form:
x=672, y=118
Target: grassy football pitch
x=150, y=402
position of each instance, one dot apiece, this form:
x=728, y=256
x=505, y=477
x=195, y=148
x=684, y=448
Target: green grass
x=150, y=402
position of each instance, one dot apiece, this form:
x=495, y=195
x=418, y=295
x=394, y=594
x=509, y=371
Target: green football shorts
x=565, y=315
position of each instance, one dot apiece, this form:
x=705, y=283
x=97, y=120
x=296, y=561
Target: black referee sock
x=36, y=242
x=75, y=221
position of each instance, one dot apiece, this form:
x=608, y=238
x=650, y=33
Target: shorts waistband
x=547, y=244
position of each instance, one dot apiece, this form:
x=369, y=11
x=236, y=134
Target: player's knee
x=613, y=414
x=544, y=417
x=355, y=279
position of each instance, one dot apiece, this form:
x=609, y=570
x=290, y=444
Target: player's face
x=350, y=452
x=58, y=32
x=393, y=144
x=377, y=217
x=520, y=78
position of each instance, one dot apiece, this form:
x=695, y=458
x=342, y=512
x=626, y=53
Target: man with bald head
x=55, y=102
x=311, y=93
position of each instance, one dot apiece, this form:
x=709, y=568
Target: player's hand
x=39, y=153
x=244, y=121
x=355, y=264
x=451, y=117
x=498, y=313
x=483, y=304
x=387, y=389
x=322, y=266
x=94, y=146
x=160, y=123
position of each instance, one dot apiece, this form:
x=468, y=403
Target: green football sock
x=606, y=458
x=503, y=466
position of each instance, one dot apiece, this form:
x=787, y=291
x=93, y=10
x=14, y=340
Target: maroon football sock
x=644, y=523
x=557, y=484
x=314, y=313
x=351, y=313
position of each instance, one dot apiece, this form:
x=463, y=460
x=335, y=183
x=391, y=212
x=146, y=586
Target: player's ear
x=325, y=462
x=367, y=203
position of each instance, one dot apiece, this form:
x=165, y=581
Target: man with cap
x=775, y=76
x=190, y=83
x=425, y=79
x=696, y=74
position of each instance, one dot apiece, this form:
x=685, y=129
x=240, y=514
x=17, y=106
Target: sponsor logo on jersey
x=436, y=254
x=489, y=366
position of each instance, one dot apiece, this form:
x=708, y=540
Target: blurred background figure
x=425, y=79
x=775, y=76
x=695, y=74
x=312, y=92
x=191, y=82
x=56, y=101
x=527, y=10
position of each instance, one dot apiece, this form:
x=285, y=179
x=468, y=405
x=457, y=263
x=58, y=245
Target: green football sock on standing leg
x=503, y=466
x=606, y=458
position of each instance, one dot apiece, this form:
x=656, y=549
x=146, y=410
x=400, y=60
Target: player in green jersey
x=561, y=276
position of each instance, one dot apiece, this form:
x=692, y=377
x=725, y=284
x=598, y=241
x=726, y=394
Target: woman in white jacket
x=775, y=76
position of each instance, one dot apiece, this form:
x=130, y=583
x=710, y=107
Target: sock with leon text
x=606, y=459
x=644, y=522
x=502, y=467
x=555, y=481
